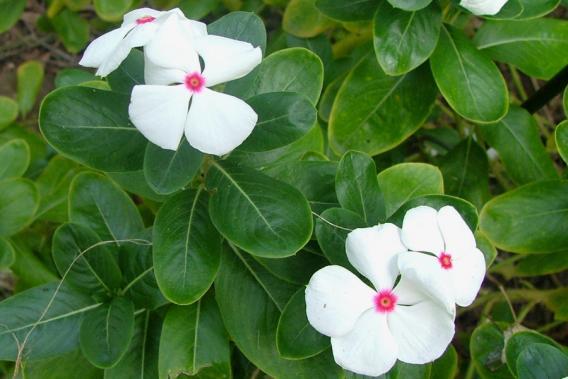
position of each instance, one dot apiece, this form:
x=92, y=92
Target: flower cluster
x=181, y=62
x=483, y=7
x=419, y=274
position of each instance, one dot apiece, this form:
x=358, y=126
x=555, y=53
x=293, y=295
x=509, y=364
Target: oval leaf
x=18, y=205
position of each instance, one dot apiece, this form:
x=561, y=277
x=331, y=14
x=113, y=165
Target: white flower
x=371, y=328
x=216, y=123
x=483, y=7
x=453, y=274
x=138, y=28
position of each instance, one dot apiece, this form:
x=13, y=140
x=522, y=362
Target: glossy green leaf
x=7, y=253
x=135, y=182
x=10, y=11
x=128, y=74
x=561, y=135
x=8, y=111
x=283, y=117
x=92, y=127
x=533, y=265
x=303, y=19
x=536, y=47
x=263, y=216
x=38, y=146
x=405, y=181
x=58, y=332
x=15, y=158
x=72, y=77
x=348, y=10
x=410, y=5
x=521, y=340
x=445, y=367
x=194, y=342
x=242, y=26
x=531, y=219
x=489, y=251
x=60, y=367
x=96, y=202
x=30, y=79
x=542, y=361
x=72, y=29
x=512, y=9
x=319, y=45
x=295, y=337
x=197, y=9
x=186, y=247
x=470, y=82
x=106, y=332
x=297, y=269
x=289, y=70
x=517, y=140
x=28, y=268
x=537, y=8
x=404, y=40
x=112, y=10
x=486, y=347
x=18, y=205
x=358, y=189
x=90, y=266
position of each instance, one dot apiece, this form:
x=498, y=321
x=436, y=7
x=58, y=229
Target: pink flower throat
x=194, y=82
x=385, y=301
x=445, y=260
x=145, y=19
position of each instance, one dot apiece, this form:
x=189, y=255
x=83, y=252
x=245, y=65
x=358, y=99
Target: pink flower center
x=445, y=260
x=385, y=301
x=194, y=82
x=145, y=19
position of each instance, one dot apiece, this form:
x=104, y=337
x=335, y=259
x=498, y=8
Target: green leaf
x=242, y=26
x=486, y=347
x=186, y=247
x=533, y=265
x=92, y=269
x=531, y=219
x=18, y=205
x=542, y=361
x=7, y=253
x=58, y=331
x=128, y=74
x=30, y=79
x=60, y=367
x=406, y=181
x=410, y=5
x=92, y=127
x=486, y=247
x=517, y=140
x=445, y=367
x=283, y=117
x=72, y=77
x=168, y=171
x=135, y=182
x=250, y=301
x=332, y=227
x=194, y=342
x=106, y=332
x=521, y=340
x=297, y=269
x=536, y=47
x=348, y=10
x=537, y=8
x=374, y=112
x=289, y=70
x=466, y=172
x=295, y=337
x=197, y=9
x=15, y=158
x=112, y=10
x=303, y=19
x=261, y=215
x=96, y=202
x=72, y=29
x=404, y=40
x=10, y=11
x=38, y=146
x=8, y=111
x=30, y=270
x=470, y=82
x=358, y=189
x=561, y=135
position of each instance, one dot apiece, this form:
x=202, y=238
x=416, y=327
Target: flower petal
x=217, y=123
x=226, y=59
x=335, y=299
x=132, y=16
x=425, y=273
x=101, y=48
x=369, y=349
x=423, y=331
x=457, y=235
x=483, y=7
x=154, y=74
x=467, y=275
x=420, y=230
x=159, y=113
x=373, y=252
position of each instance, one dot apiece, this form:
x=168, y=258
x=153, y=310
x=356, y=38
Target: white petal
x=483, y=7
x=335, y=299
x=171, y=47
x=141, y=35
x=226, y=59
x=101, y=48
x=457, y=235
x=154, y=74
x=369, y=349
x=422, y=331
x=373, y=252
x=420, y=230
x=159, y=113
x=193, y=28
x=217, y=123
x=132, y=16
x=467, y=275
x=426, y=273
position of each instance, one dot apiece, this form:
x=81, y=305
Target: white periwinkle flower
x=216, y=123
x=138, y=28
x=483, y=7
x=453, y=270
x=371, y=328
